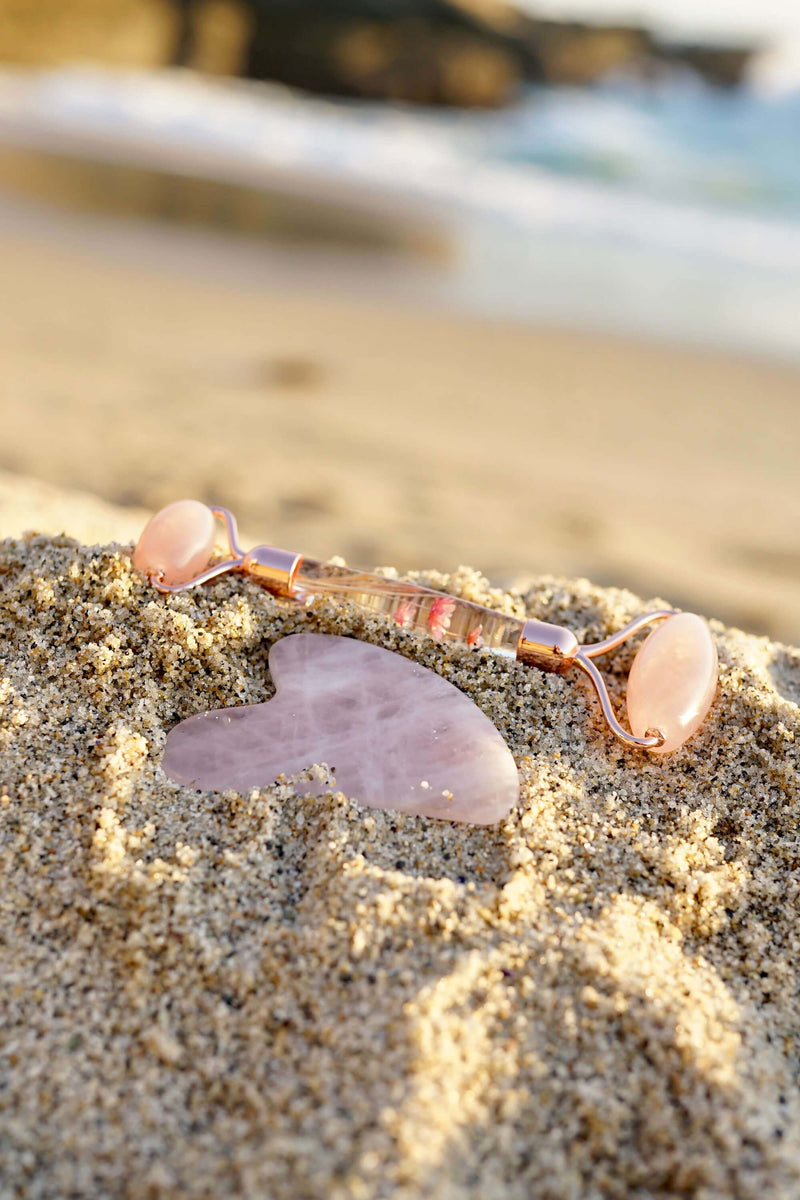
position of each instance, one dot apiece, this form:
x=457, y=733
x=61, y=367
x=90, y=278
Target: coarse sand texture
x=222, y=995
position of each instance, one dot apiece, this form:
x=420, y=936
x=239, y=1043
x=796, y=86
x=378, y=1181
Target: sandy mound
x=217, y=995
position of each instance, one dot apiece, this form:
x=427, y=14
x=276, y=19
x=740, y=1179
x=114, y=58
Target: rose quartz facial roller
x=670, y=687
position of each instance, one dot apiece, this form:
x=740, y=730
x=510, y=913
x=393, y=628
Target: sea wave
x=620, y=204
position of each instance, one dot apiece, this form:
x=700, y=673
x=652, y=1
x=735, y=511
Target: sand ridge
x=261, y=995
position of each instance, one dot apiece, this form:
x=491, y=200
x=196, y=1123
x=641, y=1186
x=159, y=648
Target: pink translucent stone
x=177, y=543
x=673, y=680
x=394, y=734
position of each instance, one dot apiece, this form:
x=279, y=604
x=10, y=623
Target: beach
x=542, y=356
x=214, y=994
x=336, y=415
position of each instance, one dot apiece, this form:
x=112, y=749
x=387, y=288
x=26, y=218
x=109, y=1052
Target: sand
x=265, y=996
x=339, y=418
x=28, y=504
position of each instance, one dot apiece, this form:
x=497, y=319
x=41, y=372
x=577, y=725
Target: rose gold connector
x=274, y=569
x=548, y=647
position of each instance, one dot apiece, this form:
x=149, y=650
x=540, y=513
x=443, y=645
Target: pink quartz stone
x=177, y=543
x=673, y=680
x=395, y=735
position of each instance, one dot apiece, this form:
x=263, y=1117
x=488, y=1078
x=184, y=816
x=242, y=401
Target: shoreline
x=611, y=265
x=519, y=242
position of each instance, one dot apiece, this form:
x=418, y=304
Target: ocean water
x=678, y=141
x=670, y=211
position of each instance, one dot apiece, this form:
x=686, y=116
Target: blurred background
x=419, y=282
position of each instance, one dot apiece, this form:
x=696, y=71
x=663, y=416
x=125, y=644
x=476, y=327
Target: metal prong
x=231, y=529
x=588, y=667
x=595, y=649
x=230, y=564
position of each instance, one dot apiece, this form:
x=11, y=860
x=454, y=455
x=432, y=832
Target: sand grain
x=218, y=995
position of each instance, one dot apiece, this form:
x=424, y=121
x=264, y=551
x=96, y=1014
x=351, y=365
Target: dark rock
x=452, y=52
x=421, y=52
x=570, y=52
x=721, y=66
x=455, y=52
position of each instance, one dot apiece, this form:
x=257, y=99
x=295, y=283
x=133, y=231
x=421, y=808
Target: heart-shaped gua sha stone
x=395, y=735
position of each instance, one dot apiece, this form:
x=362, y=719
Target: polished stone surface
x=395, y=735
x=673, y=680
x=177, y=543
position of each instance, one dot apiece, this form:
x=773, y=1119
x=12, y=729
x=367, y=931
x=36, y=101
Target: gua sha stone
x=395, y=735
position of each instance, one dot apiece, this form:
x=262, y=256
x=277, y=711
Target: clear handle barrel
x=435, y=614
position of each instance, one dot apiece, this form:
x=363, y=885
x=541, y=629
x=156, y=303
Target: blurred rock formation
x=466, y=53
x=422, y=51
